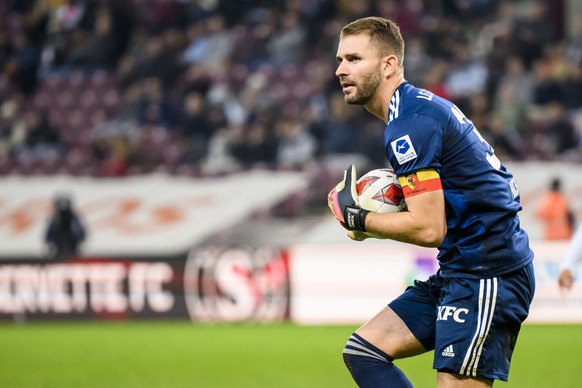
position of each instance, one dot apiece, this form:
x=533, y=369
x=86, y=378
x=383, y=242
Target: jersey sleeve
x=413, y=143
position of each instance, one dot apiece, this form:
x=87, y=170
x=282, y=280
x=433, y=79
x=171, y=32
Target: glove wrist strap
x=356, y=218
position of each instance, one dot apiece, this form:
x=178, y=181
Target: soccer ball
x=379, y=191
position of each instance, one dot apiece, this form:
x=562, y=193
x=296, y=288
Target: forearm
x=408, y=227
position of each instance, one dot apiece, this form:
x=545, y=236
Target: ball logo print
x=403, y=149
x=380, y=191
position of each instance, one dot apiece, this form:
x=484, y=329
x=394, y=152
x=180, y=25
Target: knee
x=359, y=347
x=370, y=367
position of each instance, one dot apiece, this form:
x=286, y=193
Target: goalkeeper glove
x=344, y=204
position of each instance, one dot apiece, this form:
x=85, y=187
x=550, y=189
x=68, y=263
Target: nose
x=340, y=70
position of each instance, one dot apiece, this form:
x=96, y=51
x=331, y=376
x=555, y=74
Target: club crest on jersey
x=412, y=181
x=403, y=149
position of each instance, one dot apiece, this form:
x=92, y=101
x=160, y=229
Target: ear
x=389, y=65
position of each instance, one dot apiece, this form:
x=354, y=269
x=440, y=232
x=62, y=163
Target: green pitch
x=181, y=354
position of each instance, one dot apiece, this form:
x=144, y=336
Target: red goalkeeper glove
x=344, y=204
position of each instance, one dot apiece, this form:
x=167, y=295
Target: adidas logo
x=449, y=352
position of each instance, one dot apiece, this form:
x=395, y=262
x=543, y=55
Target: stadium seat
x=52, y=83
x=42, y=100
x=88, y=98
x=65, y=100
x=76, y=80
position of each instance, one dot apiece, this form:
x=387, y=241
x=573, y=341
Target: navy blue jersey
x=484, y=237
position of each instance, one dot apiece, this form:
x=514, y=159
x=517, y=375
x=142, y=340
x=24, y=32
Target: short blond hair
x=383, y=32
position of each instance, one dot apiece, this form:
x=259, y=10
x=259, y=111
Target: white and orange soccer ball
x=379, y=191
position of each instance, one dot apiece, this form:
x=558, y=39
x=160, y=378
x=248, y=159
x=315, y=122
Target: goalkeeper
x=460, y=199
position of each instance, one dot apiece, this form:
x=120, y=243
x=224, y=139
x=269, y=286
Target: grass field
x=181, y=354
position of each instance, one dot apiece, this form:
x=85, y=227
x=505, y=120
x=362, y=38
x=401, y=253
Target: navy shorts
x=472, y=324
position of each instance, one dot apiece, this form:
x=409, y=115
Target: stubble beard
x=366, y=90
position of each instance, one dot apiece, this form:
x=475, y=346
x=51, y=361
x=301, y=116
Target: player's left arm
x=424, y=223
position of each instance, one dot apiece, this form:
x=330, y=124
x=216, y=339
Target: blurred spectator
x=408, y=15
x=574, y=41
x=63, y=20
x=573, y=86
x=434, y=79
x=67, y=16
x=22, y=63
x=223, y=95
x=510, y=109
x=156, y=63
x=504, y=139
x=193, y=128
x=129, y=110
x=100, y=48
x=42, y=137
x=316, y=115
x=112, y=152
x=255, y=146
x=147, y=149
x=219, y=159
x=296, y=145
x=417, y=62
x=346, y=129
x=166, y=14
x=137, y=52
x=478, y=109
x=287, y=44
x=349, y=9
x=259, y=30
x=12, y=129
x=468, y=74
x=5, y=48
x=533, y=32
x=555, y=213
x=211, y=43
x=495, y=36
x=518, y=80
x=65, y=231
x=547, y=87
x=561, y=130
x=153, y=105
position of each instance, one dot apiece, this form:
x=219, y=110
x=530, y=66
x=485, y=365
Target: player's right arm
x=423, y=224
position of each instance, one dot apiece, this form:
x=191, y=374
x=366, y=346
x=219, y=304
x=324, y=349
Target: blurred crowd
x=114, y=88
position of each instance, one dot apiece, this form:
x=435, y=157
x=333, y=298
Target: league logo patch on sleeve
x=403, y=149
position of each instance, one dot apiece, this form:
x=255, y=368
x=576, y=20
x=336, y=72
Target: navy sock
x=370, y=367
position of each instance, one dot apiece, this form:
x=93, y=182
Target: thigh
x=478, y=321
x=388, y=332
x=453, y=380
x=406, y=327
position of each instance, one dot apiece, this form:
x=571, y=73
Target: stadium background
x=199, y=140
